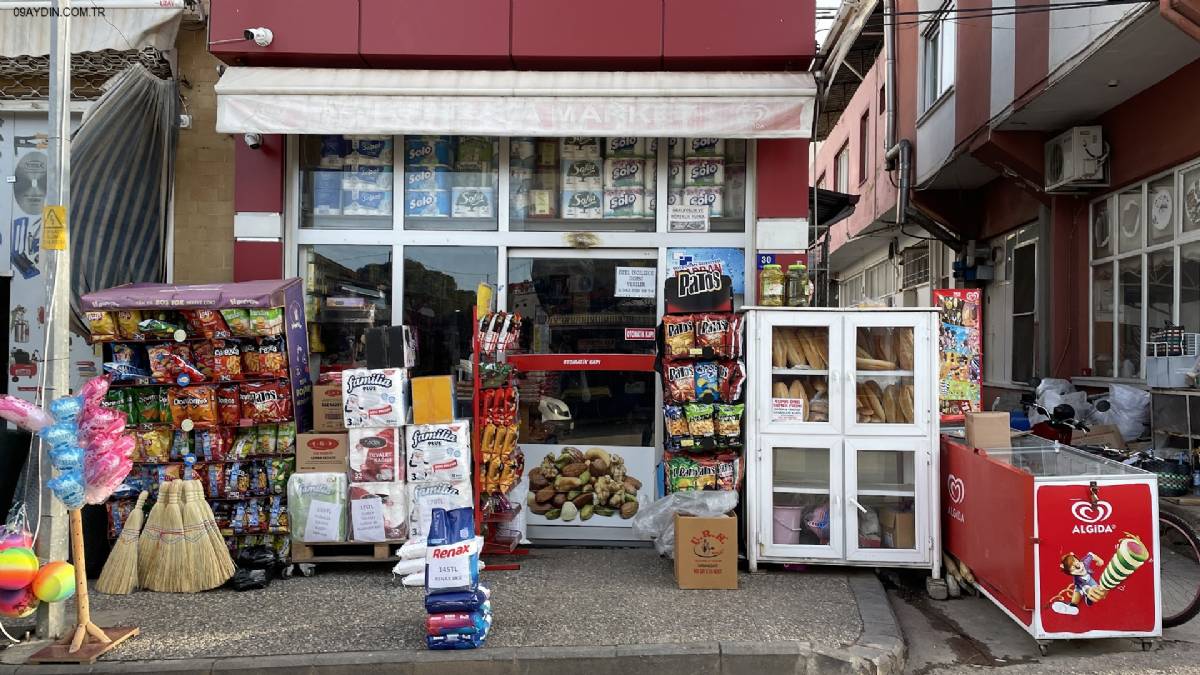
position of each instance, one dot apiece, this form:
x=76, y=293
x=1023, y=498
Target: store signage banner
x=960, y=350
x=636, y=282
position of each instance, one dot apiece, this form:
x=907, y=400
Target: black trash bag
x=250, y=580
x=258, y=558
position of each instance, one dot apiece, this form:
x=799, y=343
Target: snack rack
x=248, y=451
x=495, y=423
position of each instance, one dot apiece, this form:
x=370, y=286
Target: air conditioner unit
x=1076, y=160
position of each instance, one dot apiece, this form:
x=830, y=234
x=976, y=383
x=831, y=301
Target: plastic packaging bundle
x=657, y=521
x=460, y=614
x=460, y=601
x=317, y=506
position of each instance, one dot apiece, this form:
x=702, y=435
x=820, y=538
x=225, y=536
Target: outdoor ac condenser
x=1077, y=159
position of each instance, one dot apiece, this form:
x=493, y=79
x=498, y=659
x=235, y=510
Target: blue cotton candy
x=66, y=457
x=60, y=433
x=67, y=408
x=68, y=487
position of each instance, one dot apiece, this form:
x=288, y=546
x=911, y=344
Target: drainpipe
x=896, y=153
x=1187, y=20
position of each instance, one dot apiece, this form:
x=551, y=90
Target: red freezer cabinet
x=1065, y=542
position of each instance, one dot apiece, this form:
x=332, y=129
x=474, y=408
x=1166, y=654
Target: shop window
x=841, y=169
x=450, y=182
x=938, y=55
x=1129, y=317
x=1160, y=288
x=439, y=296
x=346, y=182
x=348, y=290
x=1102, y=320
x=1160, y=207
x=1189, y=285
x=916, y=266
x=1024, y=313
x=850, y=291
x=1129, y=221
x=1190, y=206
x=864, y=144
x=1012, y=333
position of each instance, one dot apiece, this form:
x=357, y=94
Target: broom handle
x=83, y=613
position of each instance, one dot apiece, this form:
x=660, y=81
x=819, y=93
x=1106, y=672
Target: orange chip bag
x=197, y=403
x=227, y=360
x=207, y=322
x=272, y=356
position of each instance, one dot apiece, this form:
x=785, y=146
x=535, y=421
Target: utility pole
x=56, y=266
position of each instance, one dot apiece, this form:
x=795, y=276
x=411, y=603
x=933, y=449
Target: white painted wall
x=1004, y=41
x=1073, y=30
x=935, y=137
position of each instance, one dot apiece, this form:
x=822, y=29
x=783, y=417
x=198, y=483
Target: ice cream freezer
x=1064, y=542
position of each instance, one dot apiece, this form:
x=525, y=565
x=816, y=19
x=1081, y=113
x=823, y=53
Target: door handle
x=854, y=501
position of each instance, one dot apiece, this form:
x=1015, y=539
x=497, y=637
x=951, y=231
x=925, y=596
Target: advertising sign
x=621, y=481
x=1096, y=566
x=960, y=350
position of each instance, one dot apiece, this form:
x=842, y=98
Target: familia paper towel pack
x=317, y=506
x=438, y=452
x=423, y=498
x=376, y=397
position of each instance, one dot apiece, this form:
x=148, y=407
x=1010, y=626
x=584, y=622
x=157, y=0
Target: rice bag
x=374, y=397
x=679, y=335
x=317, y=506
x=461, y=623
x=450, y=563
x=238, y=321
x=455, y=641
x=373, y=455
x=393, y=503
x=439, y=452
x=680, y=385
x=424, y=497
x=459, y=601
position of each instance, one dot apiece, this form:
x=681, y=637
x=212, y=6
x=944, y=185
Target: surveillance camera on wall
x=254, y=141
x=261, y=36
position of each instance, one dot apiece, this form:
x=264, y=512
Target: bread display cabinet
x=842, y=425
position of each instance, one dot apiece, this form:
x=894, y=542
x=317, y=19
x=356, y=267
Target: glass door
x=595, y=429
x=801, y=513
x=887, y=374
x=887, y=503
x=804, y=352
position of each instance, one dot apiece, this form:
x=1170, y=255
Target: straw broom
x=120, y=573
x=216, y=539
x=210, y=568
x=170, y=569
x=151, y=536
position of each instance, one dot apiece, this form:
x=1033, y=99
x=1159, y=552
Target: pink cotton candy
x=102, y=474
x=94, y=390
x=24, y=414
x=98, y=421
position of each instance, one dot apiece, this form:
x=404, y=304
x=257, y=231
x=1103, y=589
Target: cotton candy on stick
x=24, y=414
x=1131, y=554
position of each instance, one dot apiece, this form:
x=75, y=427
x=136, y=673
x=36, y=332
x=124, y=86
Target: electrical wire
x=1074, y=4
x=1016, y=11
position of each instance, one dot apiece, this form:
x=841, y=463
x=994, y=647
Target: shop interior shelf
x=886, y=490
x=867, y=374
x=449, y=223
x=346, y=222
x=785, y=489
x=798, y=371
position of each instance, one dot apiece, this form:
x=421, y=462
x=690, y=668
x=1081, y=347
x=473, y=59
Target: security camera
x=261, y=36
x=254, y=141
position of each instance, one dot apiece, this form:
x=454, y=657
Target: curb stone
x=879, y=650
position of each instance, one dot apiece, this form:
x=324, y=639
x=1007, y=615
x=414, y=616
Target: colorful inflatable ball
x=18, y=604
x=55, y=582
x=18, y=567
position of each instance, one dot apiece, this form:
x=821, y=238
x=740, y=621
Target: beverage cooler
x=1065, y=542
x=842, y=468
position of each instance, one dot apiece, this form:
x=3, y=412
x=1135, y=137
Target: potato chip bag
x=229, y=405
x=227, y=360
x=146, y=402
x=207, y=323
x=266, y=321
x=675, y=425
x=708, y=387
x=102, y=325
x=197, y=403
x=285, y=443
x=153, y=445
x=680, y=383
x=729, y=424
x=266, y=401
x=272, y=357
x=711, y=331
x=266, y=438
x=700, y=420
x=205, y=362
x=127, y=324
x=238, y=321
x=181, y=445
x=679, y=335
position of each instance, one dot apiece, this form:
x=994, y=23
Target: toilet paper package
x=473, y=202
x=369, y=202
x=374, y=455
x=712, y=197
x=519, y=184
x=371, y=150
x=547, y=153
x=624, y=173
x=427, y=203
x=582, y=174
x=579, y=147
x=624, y=203
x=651, y=203
x=675, y=173
x=676, y=148
x=327, y=193
x=624, y=146
x=357, y=176
x=393, y=499
x=424, y=497
x=474, y=153
x=317, y=506
x=735, y=189
x=374, y=397
x=650, y=182
x=429, y=177
x=705, y=147
x=582, y=203
x=334, y=149
x=704, y=171
x=522, y=152
x=674, y=197
x=427, y=150
x=437, y=452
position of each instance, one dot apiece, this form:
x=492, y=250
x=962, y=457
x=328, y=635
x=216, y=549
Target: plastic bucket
x=789, y=522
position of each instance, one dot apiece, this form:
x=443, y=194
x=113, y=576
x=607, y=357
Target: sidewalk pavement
x=566, y=610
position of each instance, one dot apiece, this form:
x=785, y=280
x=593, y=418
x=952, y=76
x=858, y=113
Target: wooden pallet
x=345, y=551
x=59, y=652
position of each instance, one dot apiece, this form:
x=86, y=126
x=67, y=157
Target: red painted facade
x=255, y=260
x=619, y=35
x=782, y=171
x=306, y=32
x=400, y=33
x=258, y=176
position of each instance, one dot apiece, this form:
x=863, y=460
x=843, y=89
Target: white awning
x=515, y=103
x=96, y=25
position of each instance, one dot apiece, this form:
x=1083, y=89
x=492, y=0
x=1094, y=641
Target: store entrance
x=599, y=305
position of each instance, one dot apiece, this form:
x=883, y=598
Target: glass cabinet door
x=804, y=353
x=887, y=375
x=800, y=509
x=887, y=500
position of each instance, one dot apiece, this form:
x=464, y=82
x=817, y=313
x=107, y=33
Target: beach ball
x=18, y=604
x=55, y=582
x=18, y=566
x=15, y=538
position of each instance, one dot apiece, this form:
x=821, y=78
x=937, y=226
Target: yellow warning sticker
x=54, y=228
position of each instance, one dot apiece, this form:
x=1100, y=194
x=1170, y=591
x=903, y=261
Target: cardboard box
x=706, y=552
x=988, y=430
x=433, y=399
x=321, y=453
x=898, y=528
x=1105, y=434
x=327, y=408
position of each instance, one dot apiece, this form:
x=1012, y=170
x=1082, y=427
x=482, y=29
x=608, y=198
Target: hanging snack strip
x=498, y=333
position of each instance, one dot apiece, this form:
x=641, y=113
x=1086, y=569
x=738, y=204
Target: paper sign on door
x=636, y=282
x=322, y=522
x=787, y=409
x=366, y=515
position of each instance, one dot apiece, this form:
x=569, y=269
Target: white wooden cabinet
x=842, y=431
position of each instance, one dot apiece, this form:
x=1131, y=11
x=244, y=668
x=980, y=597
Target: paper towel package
x=712, y=197
x=582, y=203
x=427, y=203
x=522, y=152
x=474, y=153
x=675, y=173
x=427, y=150
x=327, y=192
x=624, y=203
x=334, y=149
x=429, y=177
x=374, y=397
x=705, y=147
x=371, y=150
x=624, y=146
x=676, y=148
x=437, y=452
x=704, y=171
x=374, y=455
x=582, y=174
x=650, y=176
x=473, y=202
x=393, y=499
x=651, y=203
x=366, y=177
x=367, y=202
x=624, y=173
x=423, y=498
x=317, y=506
x=579, y=147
